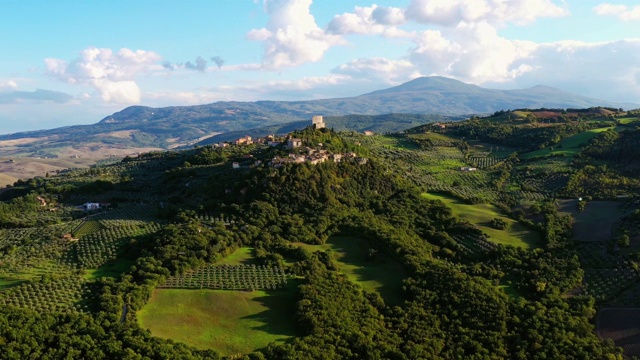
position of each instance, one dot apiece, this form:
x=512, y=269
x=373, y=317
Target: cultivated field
x=481, y=215
x=380, y=274
x=596, y=222
x=15, y=164
x=230, y=322
x=622, y=326
x=568, y=146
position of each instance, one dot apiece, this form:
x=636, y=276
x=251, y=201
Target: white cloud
x=379, y=70
x=291, y=36
x=607, y=70
x=470, y=52
x=8, y=85
x=299, y=89
x=496, y=12
x=622, y=12
x=369, y=20
x=111, y=74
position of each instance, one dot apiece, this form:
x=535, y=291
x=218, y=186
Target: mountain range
x=141, y=128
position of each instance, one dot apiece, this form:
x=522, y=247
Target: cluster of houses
x=302, y=154
x=313, y=156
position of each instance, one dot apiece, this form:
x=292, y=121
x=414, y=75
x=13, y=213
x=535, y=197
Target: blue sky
x=74, y=62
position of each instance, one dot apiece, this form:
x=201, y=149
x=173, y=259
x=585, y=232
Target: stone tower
x=317, y=122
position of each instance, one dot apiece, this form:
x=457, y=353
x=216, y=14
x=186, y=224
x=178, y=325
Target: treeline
x=608, y=166
x=525, y=138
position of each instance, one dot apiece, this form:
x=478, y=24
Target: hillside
x=139, y=129
x=431, y=243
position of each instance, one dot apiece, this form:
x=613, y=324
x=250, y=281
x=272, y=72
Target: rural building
x=468, y=168
x=236, y=165
x=317, y=122
x=90, y=206
x=368, y=133
x=246, y=140
x=294, y=143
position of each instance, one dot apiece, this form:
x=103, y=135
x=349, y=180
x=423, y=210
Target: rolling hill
x=140, y=129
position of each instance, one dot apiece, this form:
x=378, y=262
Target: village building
x=369, y=133
x=246, y=140
x=335, y=157
x=235, y=165
x=468, y=168
x=294, y=143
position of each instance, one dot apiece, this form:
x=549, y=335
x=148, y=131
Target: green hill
x=332, y=250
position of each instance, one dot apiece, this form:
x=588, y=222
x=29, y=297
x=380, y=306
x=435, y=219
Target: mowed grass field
x=383, y=274
x=111, y=269
x=229, y=322
x=241, y=256
x=481, y=215
x=568, y=146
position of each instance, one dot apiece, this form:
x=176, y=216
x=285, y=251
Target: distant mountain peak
x=428, y=83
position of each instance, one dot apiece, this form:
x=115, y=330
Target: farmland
x=379, y=274
x=231, y=322
x=481, y=215
x=242, y=255
x=444, y=241
x=621, y=325
x=567, y=146
x=596, y=222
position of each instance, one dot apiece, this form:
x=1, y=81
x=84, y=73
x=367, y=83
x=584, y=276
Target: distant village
x=303, y=154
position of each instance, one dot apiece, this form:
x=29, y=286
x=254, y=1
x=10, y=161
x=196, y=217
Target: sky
x=70, y=62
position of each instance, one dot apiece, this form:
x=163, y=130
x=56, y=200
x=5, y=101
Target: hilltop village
x=299, y=153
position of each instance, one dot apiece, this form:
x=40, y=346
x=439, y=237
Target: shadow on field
x=279, y=318
x=376, y=270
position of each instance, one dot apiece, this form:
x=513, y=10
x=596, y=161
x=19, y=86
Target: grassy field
x=568, y=146
x=241, y=256
x=395, y=142
x=11, y=279
x=6, y=283
x=481, y=215
x=383, y=275
x=230, y=322
x=111, y=269
x=596, y=222
x=628, y=120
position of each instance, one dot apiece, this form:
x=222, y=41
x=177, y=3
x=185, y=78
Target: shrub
x=498, y=224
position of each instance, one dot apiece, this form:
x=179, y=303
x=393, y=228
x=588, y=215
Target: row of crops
x=230, y=277
x=70, y=293
x=38, y=266
x=95, y=249
x=543, y=183
x=604, y=284
x=474, y=244
x=484, y=162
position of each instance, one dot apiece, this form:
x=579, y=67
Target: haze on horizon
x=70, y=62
